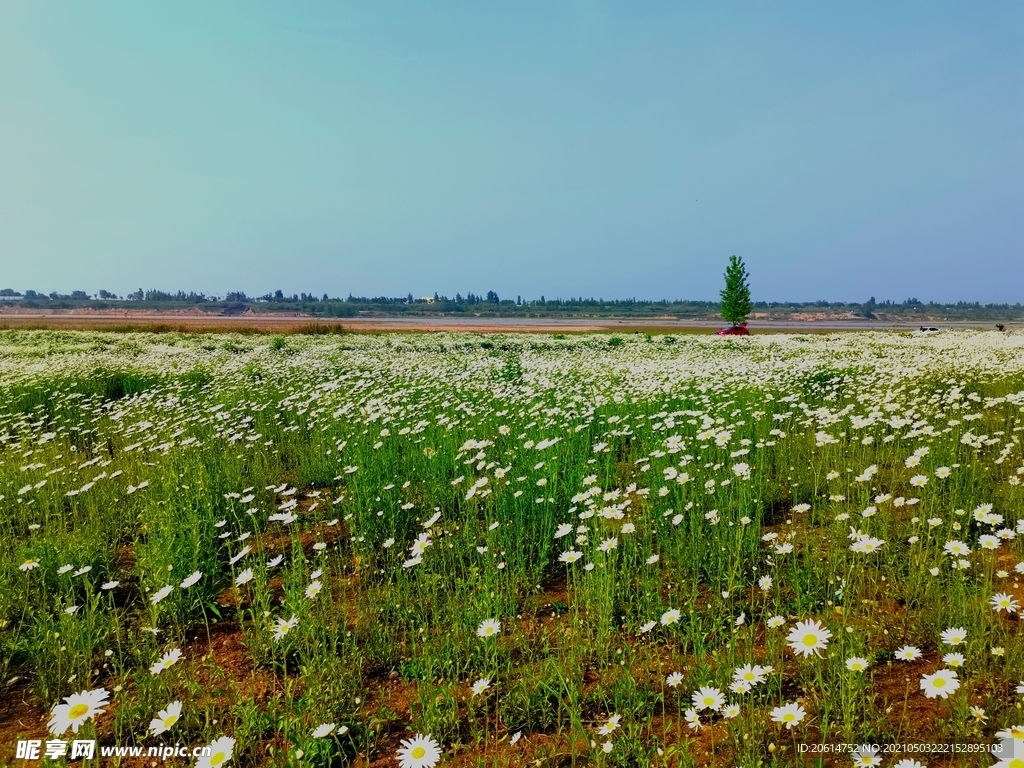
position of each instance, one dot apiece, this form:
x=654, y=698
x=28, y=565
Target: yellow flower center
x=170, y=720
x=418, y=752
x=938, y=682
x=218, y=758
x=810, y=639
x=78, y=711
x=789, y=717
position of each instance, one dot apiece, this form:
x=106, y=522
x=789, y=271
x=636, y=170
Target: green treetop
x=736, y=294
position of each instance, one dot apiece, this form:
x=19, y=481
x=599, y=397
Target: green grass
x=295, y=473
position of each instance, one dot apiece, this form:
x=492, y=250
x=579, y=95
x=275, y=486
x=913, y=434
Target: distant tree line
x=490, y=304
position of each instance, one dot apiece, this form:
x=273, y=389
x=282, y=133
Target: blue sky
x=843, y=149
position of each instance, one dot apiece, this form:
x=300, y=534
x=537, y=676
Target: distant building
x=428, y=299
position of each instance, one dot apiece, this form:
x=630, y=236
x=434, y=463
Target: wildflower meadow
x=510, y=550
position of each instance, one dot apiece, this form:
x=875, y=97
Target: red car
x=734, y=330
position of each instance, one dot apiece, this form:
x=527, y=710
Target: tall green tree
x=736, y=294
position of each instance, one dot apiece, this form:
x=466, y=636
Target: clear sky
x=560, y=148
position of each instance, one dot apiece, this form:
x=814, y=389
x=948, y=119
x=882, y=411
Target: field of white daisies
x=466, y=550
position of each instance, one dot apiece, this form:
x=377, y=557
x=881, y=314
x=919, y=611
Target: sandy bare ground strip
x=195, y=320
